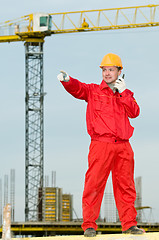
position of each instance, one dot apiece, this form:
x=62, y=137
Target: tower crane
x=32, y=30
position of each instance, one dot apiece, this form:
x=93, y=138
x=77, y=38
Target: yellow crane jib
x=35, y=27
x=105, y=19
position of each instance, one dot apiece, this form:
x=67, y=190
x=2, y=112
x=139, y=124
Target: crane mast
x=32, y=29
x=34, y=130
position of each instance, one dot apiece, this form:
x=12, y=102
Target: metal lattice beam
x=70, y=22
x=34, y=128
x=105, y=19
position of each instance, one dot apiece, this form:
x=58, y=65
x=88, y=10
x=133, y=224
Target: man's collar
x=103, y=85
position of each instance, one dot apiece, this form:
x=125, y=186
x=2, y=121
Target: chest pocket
x=101, y=102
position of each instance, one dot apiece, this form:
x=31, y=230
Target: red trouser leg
x=99, y=166
x=123, y=185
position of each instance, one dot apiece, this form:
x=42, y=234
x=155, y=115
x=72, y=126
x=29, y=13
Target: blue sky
x=66, y=140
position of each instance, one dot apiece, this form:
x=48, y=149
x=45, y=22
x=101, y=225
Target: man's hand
x=63, y=76
x=120, y=85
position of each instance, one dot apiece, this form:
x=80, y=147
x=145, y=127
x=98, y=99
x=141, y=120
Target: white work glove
x=120, y=85
x=63, y=76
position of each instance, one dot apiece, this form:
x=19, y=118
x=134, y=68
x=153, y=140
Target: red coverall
x=109, y=128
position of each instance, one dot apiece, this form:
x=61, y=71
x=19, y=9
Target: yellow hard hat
x=111, y=59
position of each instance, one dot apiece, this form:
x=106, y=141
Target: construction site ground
x=145, y=236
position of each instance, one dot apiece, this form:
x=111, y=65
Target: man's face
x=110, y=74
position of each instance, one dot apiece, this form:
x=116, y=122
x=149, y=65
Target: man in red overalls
x=109, y=107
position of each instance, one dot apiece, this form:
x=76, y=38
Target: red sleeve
x=77, y=89
x=130, y=104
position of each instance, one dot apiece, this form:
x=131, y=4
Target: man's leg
x=99, y=166
x=123, y=185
